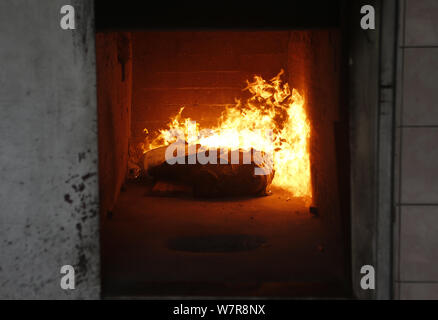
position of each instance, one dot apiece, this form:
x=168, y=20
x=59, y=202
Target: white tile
x=421, y=22
x=419, y=243
x=419, y=88
x=419, y=168
x=419, y=291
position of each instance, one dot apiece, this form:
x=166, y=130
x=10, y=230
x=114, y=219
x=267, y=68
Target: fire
x=272, y=107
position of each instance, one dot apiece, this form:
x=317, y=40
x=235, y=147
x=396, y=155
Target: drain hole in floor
x=216, y=243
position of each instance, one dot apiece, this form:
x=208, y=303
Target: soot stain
x=78, y=188
x=71, y=178
x=67, y=198
x=81, y=156
x=88, y=175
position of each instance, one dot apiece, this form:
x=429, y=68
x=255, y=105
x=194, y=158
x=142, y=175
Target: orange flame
x=272, y=106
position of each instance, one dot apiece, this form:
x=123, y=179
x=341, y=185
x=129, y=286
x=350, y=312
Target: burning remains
x=271, y=128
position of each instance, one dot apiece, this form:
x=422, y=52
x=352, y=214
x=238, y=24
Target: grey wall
x=416, y=159
x=48, y=151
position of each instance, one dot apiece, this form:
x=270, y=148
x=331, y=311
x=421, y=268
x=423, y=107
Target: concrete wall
x=48, y=151
x=416, y=161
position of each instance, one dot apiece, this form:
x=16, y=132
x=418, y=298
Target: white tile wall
x=416, y=253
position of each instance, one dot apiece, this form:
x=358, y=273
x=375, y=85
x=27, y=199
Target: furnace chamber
x=161, y=239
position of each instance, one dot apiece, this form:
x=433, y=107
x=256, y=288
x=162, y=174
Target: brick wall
x=203, y=71
x=416, y=187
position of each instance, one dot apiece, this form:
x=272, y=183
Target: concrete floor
x=266, y=246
